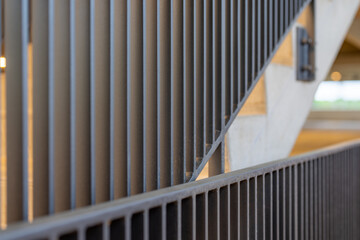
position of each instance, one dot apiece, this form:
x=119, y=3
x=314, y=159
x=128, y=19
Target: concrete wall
x=254, y=139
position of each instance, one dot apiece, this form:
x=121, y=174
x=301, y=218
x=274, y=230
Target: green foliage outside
x=336, y=105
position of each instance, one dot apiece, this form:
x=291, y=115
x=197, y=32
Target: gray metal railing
x=126, y=96
x=313, y=196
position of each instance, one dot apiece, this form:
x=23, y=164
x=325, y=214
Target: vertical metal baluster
x=282, y=19
x=185, y=92
x=208, y=76
x=239, y=43
x=206, y=92
x=213, y=22
x=311, y=200
x=40, y=47
x=150, y=100
x=158, y=99
x=195, y=113
x=51, y=107
x=232, y=67
x=72, y=106
x=144, y=113
x=92, y=99
x=178, y=91
x=25, y=105
x=276, y=22
x=172, y=60
x=270, y=27
x=317, y=194
x=223, y=62
x=128, y=81
x=307, y=200
x=301, y=204
x=260, y=37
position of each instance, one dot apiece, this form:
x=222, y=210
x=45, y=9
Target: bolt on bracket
x=305, y=67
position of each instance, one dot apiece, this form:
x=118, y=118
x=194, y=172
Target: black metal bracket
x=305, y=67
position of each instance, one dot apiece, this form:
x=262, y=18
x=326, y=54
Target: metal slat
x=195, y=81
x=239, y=43
x=230, y=58
x=260, y=207
x=323, y=197
x=276, y=23
x=119, y=98
x=51, y=105
x=256, y=34
x=128, y=93
x=244, y=210
x=307, y=201
x=61, y=107
x=234, y=223
x=208, y=70
x=250, y=43
x=217, y=61
x=224, y=212
x=226, y=77
x=301, y=204
x=16, y=105
x=289, y=203
x=311, y=200
x=137, y=102
x=213, y=65
x=199, y=63
x=282, y=204
x=73, y=115
x=315, y=200
x=260, y=35
x=281, y=18
x=223, y=65
x=41, y=108
x=92, y=101
x=212, y=215
x=234, y=56
x=144, y=94
x=171, y=93
x=151, y=97
x=190, y=81
x=200, y=216
x=268, y=205
x=178, y=97
x=82, y=103
x=112, y=93
x=252, y=225
x=253, y=42
x=187, y=231
x=205, y=76
x=184, y=68
x=270, y=27
x=243, y=48
x=101, y=100
x=275, y=205
x=295, y=206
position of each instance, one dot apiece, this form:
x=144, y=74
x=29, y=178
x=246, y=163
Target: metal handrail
x=322, y=187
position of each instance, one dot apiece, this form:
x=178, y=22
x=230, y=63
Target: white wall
x=252, y=140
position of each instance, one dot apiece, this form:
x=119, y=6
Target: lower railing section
x=314, y=196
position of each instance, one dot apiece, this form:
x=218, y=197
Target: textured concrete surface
x=255, y=139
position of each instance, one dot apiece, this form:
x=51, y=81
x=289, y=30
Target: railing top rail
x=92, y=215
